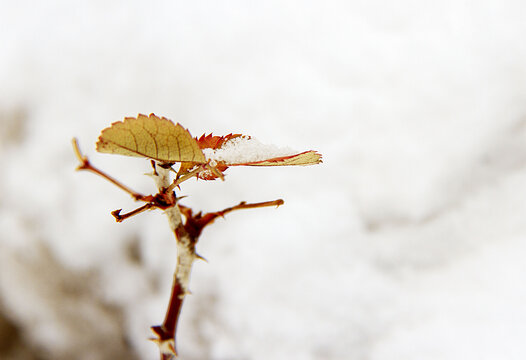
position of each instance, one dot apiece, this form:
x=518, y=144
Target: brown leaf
x=310, y=157
x=150, y=137
x=214, y=142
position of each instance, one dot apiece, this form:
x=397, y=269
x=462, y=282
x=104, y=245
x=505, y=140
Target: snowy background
x=407, y=243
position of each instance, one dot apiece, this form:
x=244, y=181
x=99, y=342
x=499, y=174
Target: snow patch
x=245, y=149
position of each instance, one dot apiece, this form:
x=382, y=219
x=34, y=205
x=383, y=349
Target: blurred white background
x=406, y=243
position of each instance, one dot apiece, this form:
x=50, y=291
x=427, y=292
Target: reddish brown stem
x=86, y=165
x=166, y=332
x=163, y=200
x=244, y=205
x=119, y=218
x=187, y=235
x=196, y=223
x=190, y=231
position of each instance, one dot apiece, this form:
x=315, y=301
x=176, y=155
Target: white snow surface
x=408, y=242
x=244, y=149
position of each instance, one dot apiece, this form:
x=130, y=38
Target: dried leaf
x=207, y=142
x=305, y=158
x=215, y=142
x=241, y=150
x=150, y=137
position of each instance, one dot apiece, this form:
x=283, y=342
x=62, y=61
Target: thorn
x=117, y=215
x=187, y=292
x=197, y=256
x=167, y=165
x=171, y=348
x=154, y=168
x=165, y=346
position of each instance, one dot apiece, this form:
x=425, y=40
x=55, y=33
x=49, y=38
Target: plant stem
x=186, y=234
x=86, y=165
x=185, y=257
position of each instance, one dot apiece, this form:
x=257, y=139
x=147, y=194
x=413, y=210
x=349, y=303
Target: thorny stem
x=119, y=218
x=186, y=234
x=162, y=200
x=244, y=205
x=166, y=332
x=85, y=165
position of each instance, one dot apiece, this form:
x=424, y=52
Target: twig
x=186, y=234
x=86, y=165
x=162, y=200
x=119, y=218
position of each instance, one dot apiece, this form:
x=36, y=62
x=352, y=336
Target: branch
x=186, y=234
x=86, y=165
x=196, y=223
x=166, y=332
x=119, y=218
x=162, y=200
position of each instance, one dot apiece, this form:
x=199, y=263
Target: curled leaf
x=210, y=142
x=305, y=158
x=243, y=150
x=215, y=142
x=240, y=150
x=151, y=137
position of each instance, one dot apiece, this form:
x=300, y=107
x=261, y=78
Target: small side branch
x=86, y=165
x=119, y=218
x=195, y=224
x=243, y=205
x=163, y=200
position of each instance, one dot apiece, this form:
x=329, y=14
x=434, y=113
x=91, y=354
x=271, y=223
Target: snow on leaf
x=150, y=137
x=241, y=150
x=244, y=150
